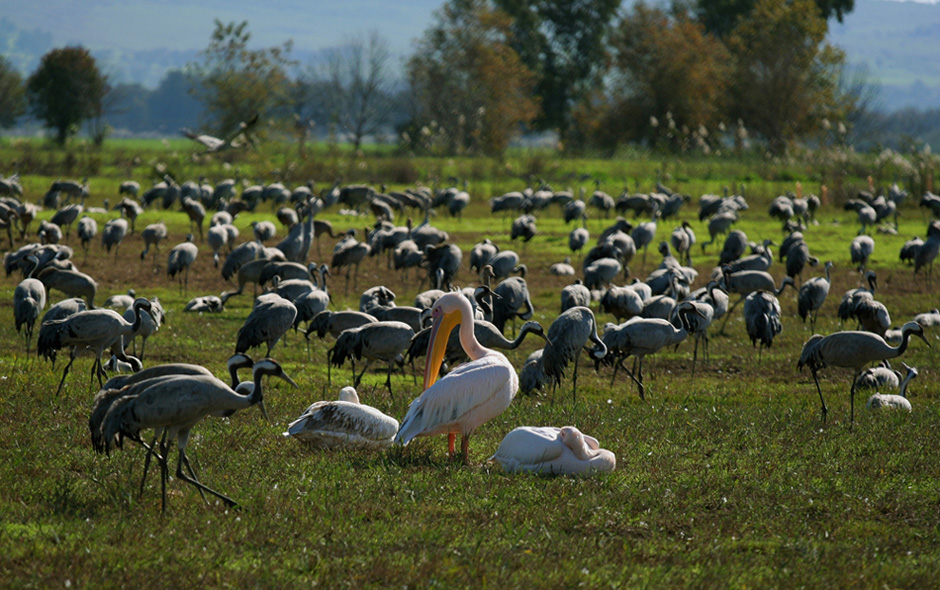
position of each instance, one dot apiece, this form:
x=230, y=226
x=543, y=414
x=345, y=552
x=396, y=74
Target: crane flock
x=650, y=316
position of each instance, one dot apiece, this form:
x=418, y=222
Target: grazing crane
x=641, y=337
x=122, y=301
x=746, y=282
x=481, y=254
x=550, y=450
x=471, y=394
x=579, y=236
x=66, y=216
x=196, y=213
x=897, y=401
x=130, y=209
x=734, y=247
x=882, y=376
x=512, y=295
x=270, y=319
x=523, y=227
x=113, y=234
x=29, y=298
x=853, y=297
x=376, y=341
x=71, y=282
x=852, y=350
x=762, y=319
x=860, y=249
x=562, y=269
x=698, y=324
x=812, y=295
x=95, y=329
x=343, y=423
x=927, y=252
x=644, y=233
x=175, y=405
x=574, y=295
x=152, y=235
x=263, y=230
x=180, y=259
x=216, y=239
x=683, y=238
x=567, y=335
x=505, y=263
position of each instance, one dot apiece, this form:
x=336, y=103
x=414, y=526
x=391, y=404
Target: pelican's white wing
x=336, y=423
x=463, y=399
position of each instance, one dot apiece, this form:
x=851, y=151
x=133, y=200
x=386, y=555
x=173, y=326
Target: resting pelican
x=559, y=451
x=343, y=423
x=468, y=396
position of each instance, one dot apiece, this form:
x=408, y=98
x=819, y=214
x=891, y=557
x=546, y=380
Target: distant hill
x=898, y=42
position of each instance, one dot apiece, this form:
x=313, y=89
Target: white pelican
x=343, y=423
x=469, y=395
x=559, y=451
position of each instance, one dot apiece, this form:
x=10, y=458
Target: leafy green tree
x=786, y=75
x=662, y=83
x=721, y=16
x=66, y=89
x=469, y=90
x=235, y=82
x=564, y=43
x=12, y=94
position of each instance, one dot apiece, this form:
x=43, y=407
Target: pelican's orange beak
x=437, y=346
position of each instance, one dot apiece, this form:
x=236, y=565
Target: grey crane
x=486, y=334
x=762, y=319
x=66, y=216
x=909, y=250
x=523, y=227
x=622, y=302
x=49, y=233
x=336, y=322
x=175, y=405
x=263, y=230
x=505, y=263
x=87, y=230
x=149, y=324
x=196, y=213
x=746, y=282
x=29, y=299
x=131, y=210
x=718, y=224
x=511, y=296
x=95, y=329
x=121, y=301
x=384, y=341
x=152, y=235
x=562, y=269
x=180, y=259
x=928, y=250
x=63, y=309
x=861, y=249
x=878, y=378
x=641, y=337
x=873, y=316
x=216, y=239
x=350, y=256
x=601, y=272
x=567, y=336
x=734, y=247
x=798, y=257
x=763, y=260
x=240, y=255
x=573, y=210
x=682, y=239
x=271, y=318
x=446, y=258
x=812, y=295
x=113, y=234
x=481, y=254
x=644, y=233
x=579, y=236
x=851, y=298
x=71, y=282
x=852, y=350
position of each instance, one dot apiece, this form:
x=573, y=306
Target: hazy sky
x=185, y=24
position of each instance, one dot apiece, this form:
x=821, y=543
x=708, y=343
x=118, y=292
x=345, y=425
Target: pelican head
x=348, y=394
x=445, y=314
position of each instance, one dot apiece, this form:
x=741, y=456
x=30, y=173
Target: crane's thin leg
x=150, y=453
x=818, y=390
x=179, y=473
x=574, y=379
x=64, y=373
x=640, y=374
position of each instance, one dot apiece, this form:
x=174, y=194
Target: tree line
x=694, y=75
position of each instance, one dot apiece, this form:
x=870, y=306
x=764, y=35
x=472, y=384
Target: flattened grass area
x=727, y=479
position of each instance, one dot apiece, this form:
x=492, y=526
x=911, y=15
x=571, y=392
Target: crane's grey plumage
x=95, y=329
x=762, y=319
x=812, y=295
x=861, y=250
x=505, y=263
x=927, y=252
x=574, y=295
x=71, y=282
x=152, y=235
x=113, y=234
x=150, y=323
x=350, y=256
x=180, y=259
x=29, y=299
x=384, y=341
x=852, y=350
x=271, y=317
x=734, y=247
x=175, y=404
x=337, y=322
x=568, y=334
x=512, y=301
x=196, y=213
x=87, y=230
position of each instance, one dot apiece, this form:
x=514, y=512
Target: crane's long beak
x=925, y=340
x=437, y=345
x=264, y=411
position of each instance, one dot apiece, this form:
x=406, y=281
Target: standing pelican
x=468, y=396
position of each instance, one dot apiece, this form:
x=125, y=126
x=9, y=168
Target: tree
x=235, y=82
x=66, y=89
x=564, y=43
x=469, y=90
x=12, y=94
x=360, y=81
x=721, y=16
x=666, y=75
x=786, y=75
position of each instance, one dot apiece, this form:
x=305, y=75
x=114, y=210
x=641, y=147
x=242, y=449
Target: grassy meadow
x=730, y=479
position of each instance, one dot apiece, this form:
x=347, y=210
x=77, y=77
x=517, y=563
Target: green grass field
x=730, y=479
